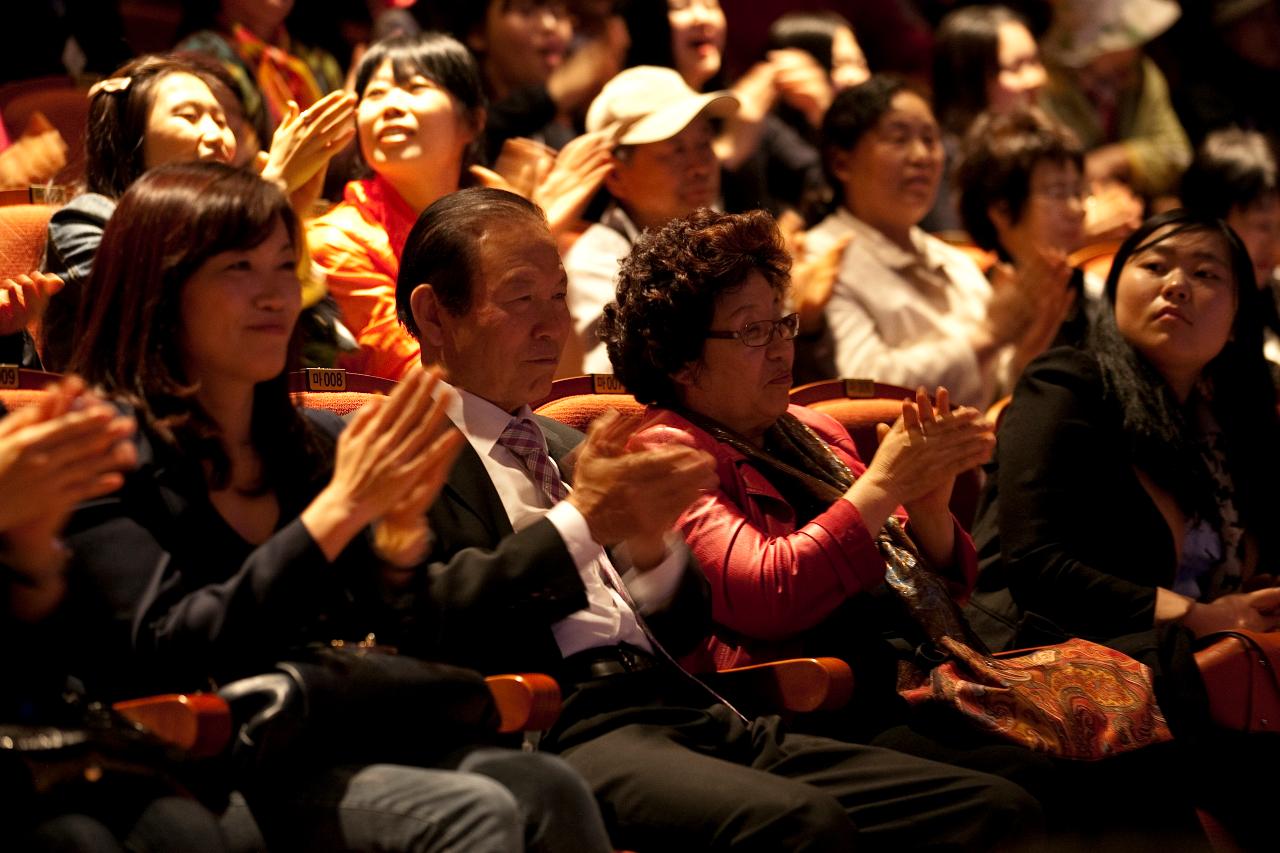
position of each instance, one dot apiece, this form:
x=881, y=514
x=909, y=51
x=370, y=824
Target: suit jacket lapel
x=469, y=485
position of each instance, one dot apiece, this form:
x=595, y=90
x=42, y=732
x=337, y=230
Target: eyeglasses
x=760, y=334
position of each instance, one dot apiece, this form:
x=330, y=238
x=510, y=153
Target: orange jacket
x=358, y=244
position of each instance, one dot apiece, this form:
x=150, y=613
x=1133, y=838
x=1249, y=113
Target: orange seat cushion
x=341, y=403
x=24, y=229
x=579, y=410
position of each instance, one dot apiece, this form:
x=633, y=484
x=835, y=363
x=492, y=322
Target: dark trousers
x=679, y=774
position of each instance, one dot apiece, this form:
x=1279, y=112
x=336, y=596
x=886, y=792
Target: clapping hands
x=635, y=495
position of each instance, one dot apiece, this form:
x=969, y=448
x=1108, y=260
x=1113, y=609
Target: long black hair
x=966, y=57
x=1163, y=442
x=444, y=61
x=118, y=116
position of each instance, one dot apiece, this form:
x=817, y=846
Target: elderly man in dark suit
x=590, y=585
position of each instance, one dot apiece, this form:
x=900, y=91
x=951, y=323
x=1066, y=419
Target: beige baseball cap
x=1083, y=30
x=649, y=104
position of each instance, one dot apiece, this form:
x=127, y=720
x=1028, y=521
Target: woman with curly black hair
x=700, y=333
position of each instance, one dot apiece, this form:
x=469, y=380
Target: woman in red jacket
x=700, y=331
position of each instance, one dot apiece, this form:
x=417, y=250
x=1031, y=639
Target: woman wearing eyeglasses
x=699, y=332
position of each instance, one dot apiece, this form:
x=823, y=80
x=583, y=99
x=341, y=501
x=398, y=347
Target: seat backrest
x=576, y=401
x=336, y=390
x=848, y=389
x=1096, y=258
x=577, y=386
x=67, y=109
x=24, y=229
x=859, y=405
x=20, y=388
x=579, y=410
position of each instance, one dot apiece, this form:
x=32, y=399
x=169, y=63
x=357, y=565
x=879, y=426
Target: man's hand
x=626, y=494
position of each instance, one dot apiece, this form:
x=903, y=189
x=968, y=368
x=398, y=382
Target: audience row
x=173, y=521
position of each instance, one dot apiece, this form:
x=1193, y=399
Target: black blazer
x=1065, y=530
x=187, y=599
x=494, y=593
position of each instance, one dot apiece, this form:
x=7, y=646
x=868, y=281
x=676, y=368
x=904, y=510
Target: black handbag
x=358, y=705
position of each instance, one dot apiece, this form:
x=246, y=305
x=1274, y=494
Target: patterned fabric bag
x=1074, y=700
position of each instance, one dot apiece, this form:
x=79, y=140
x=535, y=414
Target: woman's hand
x=303, y=144
x=918, y=459
x=1044, y=282
x=1248, y=611
x=1112, y=211
x=594, y=62
x=36, y=156
x=68, y=448
x=402, y=536
x=757, y=92
x=802, y=83
x=812, y=279
x=575, y=176
x=386, y=457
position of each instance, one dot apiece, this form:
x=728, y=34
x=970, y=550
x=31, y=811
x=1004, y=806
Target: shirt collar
x=481, y=421
x=616, y=218
x=889, y=253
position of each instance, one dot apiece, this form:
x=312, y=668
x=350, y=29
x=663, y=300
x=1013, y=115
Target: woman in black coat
x=1131, y=495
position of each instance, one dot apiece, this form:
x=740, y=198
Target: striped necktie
x=522, y=438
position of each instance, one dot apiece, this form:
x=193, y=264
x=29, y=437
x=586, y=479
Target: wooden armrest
x=527, y=702
x=798, y=684
x=200, y=723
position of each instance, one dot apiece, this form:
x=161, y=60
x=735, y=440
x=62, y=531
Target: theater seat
x=859, y=405
x=796, y=685
x=199, y=723
x=579, y=400
x=334, y=389
x=1095, y=258
x=24, y=229
x=20, y=387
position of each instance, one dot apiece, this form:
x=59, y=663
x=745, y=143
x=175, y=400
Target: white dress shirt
x=904, y=317
x=607, y=619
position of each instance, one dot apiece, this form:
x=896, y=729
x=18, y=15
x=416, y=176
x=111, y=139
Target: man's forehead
x=513, y=249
